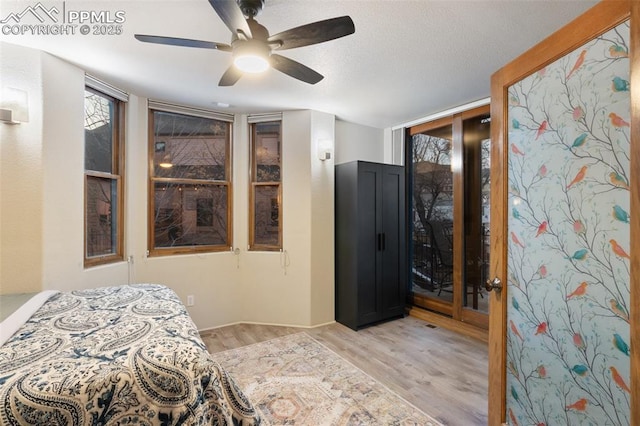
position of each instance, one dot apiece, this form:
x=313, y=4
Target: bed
x=113, y=355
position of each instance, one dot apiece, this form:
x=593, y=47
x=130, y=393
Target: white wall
x=21, y=206
x=358, y=142
x=44, y=249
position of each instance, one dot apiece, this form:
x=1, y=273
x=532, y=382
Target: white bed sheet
x=13, y=322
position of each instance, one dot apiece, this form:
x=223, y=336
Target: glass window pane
x=98, y=132
x=188, y=147
x=101, y=216
x=267, y=215
x=267, y=152
x=190, y=215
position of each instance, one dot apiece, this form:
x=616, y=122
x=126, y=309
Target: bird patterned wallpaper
x=568, y=264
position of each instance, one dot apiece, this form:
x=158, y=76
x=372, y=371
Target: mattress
x=115, y=355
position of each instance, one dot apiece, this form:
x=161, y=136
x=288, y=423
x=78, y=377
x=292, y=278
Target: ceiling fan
x=253, y=48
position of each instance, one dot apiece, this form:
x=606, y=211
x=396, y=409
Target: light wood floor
x=439, y=371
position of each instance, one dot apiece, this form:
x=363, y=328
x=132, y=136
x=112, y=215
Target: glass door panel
x=448, y=163
x=476, y=164
x=432, y=217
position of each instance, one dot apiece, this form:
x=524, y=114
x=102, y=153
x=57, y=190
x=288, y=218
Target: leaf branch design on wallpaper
x=568, y=262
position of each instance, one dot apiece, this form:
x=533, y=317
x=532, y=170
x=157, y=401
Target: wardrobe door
x=393, y=283
x=369, y=230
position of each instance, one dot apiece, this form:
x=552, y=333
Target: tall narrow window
x=190, y=184
x=104, y=167
x=265, y=213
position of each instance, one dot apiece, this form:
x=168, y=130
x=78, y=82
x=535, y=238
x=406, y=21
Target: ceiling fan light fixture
x=251, y=57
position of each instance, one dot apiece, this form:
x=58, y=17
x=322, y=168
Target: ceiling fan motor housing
x=251, y=8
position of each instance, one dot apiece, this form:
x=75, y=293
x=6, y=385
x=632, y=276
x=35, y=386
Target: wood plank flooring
x=439, y=371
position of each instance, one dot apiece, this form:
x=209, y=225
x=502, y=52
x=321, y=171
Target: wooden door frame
x=599, y=19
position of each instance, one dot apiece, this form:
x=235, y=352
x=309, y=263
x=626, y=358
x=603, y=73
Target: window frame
x=117, y=166
x=254, y=184
x=152, y=250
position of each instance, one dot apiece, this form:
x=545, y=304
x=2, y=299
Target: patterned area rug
x=295, y=380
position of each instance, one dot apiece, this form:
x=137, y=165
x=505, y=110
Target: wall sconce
x=14, y=106
x=324, y=149
x=166, y=163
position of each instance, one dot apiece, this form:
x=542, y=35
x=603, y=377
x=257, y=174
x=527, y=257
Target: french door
x=564, y=320
x=449, y=187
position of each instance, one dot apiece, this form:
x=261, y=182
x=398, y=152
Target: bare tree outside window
x=190, y=177
x=266, y=187
x=432, y=180
x=103, y=178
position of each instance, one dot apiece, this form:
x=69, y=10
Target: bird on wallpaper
x=514, y=394
x=514, y=329
x=512, y=368
x=617, y=51
x=620, y=344
x=618, y=250
x=620, y=214
x=581, y=290
x=580, y=370
x=516, y=214
x=579, y=405
x=515, y=240
x=542, y=229
x=619, y=85
x=515, y=304
x=515, y=124
x=578, y=63
x=579, y=141
x=617, y=121
x=513, y=100
x=541, y=129
x=542, y=371
x=542, y=270
x=579, y=254
x=578, y=341
x=618, y=181
x=512, y=279
x=514, y=422
x=516, y=150
x=542, y=171
x=579, y=176
x=618, y=309
x=578, y=227
x=513, y=190
x=618, y=379
x=541, y=329
x=577, y=113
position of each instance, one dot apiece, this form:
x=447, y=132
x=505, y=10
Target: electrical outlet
x=190, y=300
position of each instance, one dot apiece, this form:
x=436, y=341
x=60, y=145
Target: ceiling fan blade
x=230, y=76
x=295, y=69
x=184, y=42
x=231, y=15
x=316, y=32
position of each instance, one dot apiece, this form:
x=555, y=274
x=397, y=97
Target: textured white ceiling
x=406, y=60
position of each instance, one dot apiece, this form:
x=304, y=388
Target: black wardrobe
x=370, y=243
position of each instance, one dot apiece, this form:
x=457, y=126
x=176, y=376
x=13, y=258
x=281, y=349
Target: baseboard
x=450, y=324
x=265, y=323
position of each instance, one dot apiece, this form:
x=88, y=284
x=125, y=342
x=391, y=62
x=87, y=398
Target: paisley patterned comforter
x=115, y=355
